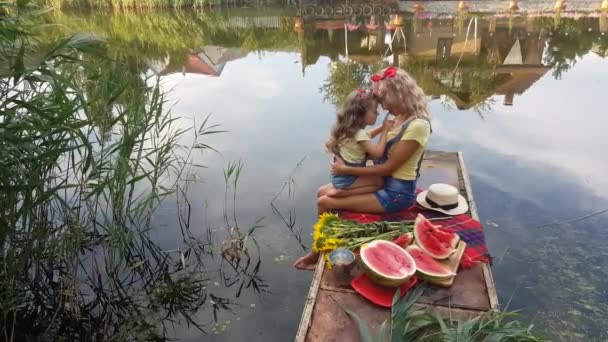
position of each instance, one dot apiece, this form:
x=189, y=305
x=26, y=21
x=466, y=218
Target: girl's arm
x=403, y=150
x=376, y=151
x=377, y=130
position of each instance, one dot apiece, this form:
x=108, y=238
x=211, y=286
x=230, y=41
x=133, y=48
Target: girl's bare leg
x=362, y=185
x=324, y=190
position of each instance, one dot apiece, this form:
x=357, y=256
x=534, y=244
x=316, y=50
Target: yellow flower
x=331, y=244
x=319, y=230
x=327, y=262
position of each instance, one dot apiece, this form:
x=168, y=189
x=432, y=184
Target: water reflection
x=466, y=58
x=265, y=74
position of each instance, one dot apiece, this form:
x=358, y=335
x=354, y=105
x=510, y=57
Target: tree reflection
x=569, y=40
x=346, y=76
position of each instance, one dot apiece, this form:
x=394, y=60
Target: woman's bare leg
x=366, y=203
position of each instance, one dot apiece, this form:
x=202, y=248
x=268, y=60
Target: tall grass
x=156, y=35
x=88, y=152
x=150, y=4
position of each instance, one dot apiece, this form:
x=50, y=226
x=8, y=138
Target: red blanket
x=469, y=230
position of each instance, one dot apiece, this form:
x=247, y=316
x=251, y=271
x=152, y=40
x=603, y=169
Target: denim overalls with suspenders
x=395, y=139
x=346, y=180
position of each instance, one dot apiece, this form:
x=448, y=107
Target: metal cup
x=342, y=261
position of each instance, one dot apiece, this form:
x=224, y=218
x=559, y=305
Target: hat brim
x=462, y=207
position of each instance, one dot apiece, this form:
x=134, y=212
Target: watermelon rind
x=418, y=226
x=378, y=276
x=427, y=274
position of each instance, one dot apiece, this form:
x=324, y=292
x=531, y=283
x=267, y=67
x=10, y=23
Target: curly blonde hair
x=402, y=94
x=350, y=118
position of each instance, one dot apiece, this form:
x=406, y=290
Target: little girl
x=350, y=142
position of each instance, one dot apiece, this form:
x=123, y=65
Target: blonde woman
x=399, y=94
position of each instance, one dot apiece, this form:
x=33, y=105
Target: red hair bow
x=390, y=72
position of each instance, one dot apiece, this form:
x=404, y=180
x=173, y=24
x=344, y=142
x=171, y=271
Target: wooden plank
x=487, y=273
x=452, y=263
x=311, y=299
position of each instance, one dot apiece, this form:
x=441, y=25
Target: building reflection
x=210, y=61
x=465, y=58
x=445, y=55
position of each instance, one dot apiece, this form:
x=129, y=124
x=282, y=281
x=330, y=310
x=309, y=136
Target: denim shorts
x=397, y=194
x=343, y=181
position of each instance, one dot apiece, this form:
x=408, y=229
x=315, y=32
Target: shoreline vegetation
x=151, y=4
x=89, y=152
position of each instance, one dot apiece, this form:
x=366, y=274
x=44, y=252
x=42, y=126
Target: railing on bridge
x=328, y=9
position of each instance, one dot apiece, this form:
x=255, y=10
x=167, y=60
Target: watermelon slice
x=448, y=237
x=404, y=240
x=439, y=244
x=428, y=268
x=386, y=263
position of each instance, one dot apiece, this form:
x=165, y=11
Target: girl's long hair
x=349, y=119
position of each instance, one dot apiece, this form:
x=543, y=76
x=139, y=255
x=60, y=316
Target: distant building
x=210, y=61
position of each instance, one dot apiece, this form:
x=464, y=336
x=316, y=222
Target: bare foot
x=307, y=262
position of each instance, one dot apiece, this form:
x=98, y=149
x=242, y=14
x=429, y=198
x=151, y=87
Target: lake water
x=524, y=98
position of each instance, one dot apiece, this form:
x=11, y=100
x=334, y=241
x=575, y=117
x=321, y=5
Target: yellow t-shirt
x=351, y=151
x=419, y=130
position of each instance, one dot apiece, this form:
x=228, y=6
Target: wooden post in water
x=463, y=6
x=560, y=5
x=418, y=7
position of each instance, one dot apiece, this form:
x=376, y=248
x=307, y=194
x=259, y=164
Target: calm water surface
x=523, y=98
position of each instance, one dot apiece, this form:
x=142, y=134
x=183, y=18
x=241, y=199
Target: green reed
x=409, y=322
x=89, y=152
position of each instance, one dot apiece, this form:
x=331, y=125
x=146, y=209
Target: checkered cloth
x=469, y=229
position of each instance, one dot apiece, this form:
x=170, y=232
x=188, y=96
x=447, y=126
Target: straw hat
x=443, y=198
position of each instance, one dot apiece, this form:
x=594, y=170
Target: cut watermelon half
x=439, y=244
x=428, y=268
x=386, y=263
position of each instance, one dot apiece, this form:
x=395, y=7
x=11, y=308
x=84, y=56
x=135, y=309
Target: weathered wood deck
x=472, y=294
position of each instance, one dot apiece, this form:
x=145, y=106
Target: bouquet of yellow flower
x=330, y=232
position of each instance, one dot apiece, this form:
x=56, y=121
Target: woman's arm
x=403, y=150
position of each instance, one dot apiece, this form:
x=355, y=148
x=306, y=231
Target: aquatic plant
x=289, y=217
x=89, y=152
